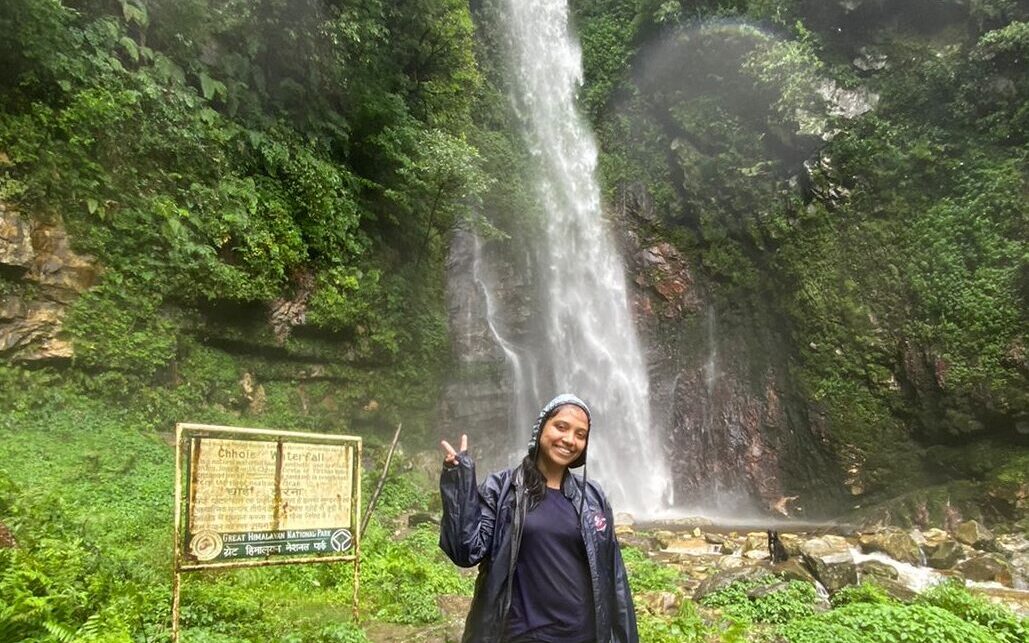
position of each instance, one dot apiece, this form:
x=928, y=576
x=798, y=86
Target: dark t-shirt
x=552, y=599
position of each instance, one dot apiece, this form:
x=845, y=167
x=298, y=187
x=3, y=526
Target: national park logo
x=205, y=545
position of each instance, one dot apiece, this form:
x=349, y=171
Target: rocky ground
x=710, y=557
x=901, y=561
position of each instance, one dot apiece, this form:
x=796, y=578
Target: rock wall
x=478, y=397
x=40, y=275
x=738, y=437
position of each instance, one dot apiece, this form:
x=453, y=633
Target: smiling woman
x=549, y=565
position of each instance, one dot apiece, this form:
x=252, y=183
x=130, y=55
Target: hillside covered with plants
x=850, y=178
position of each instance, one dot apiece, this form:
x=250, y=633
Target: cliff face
x=41, y=275
x=829, y=180
x=740, y=438
x=822, y=211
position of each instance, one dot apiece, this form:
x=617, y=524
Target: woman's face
x=564, y=436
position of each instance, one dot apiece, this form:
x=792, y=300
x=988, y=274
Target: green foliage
x=685, y=627
x=207, y=157
x=405, y=577
x=647, y=576
x=793, y=600
x=864, y=593
x=885, y=623
x=956, y=599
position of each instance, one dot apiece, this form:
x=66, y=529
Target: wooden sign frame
x=263, y=543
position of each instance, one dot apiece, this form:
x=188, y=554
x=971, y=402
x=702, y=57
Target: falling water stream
x=588, y=344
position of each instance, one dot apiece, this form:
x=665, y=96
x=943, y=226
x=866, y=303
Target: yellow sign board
x=258, y=497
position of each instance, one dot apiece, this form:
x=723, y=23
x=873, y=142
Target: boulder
x=792, y=543
x=895, y=543
x=756, y=540
x=945, y=555
x=660, y=603
x=688, y=547
x=974, y=534
x=932, y=538
x=830, y=560
x=877, y=570
x=794, y=570
x=724, y=578
x=895, y=589
x=987, y=568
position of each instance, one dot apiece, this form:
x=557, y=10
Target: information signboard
x=248, y=497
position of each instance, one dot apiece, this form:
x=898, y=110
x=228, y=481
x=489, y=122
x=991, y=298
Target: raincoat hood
x=548, y=410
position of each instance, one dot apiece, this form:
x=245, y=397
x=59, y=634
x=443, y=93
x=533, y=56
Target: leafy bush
x=885, y=623
x=685, y=627
x=864, y=593
x=645, y=575
x=956, y=599
x=793, y=600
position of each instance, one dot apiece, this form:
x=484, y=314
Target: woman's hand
x=450, y=459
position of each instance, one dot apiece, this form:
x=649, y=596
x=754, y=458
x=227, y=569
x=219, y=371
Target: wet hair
x=535, y=483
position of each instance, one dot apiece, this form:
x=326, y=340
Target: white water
x=912, y=576
x=588, y=340
x=520, y=363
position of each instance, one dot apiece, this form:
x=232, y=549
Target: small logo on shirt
x=599, y=522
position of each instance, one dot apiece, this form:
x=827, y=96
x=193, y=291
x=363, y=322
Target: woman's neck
x=553, y=474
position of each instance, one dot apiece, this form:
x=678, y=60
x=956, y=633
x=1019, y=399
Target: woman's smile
x=564, y=436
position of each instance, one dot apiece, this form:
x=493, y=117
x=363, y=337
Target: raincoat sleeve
x=469, y=513
x=623, y=621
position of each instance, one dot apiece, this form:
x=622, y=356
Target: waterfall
x=520, y=364
x=587, y=343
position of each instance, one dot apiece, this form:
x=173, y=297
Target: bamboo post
x=382, y=479
x=176, y=574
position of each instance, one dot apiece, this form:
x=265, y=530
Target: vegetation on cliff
x=853, y=174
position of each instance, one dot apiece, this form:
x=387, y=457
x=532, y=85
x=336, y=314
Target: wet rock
x=1015, y=600
x=895, y=589
x=254, y=394
x=945, y=555
x=48, y=275
x=895, y=543
x=794, y=570
x=1020, y=570
x=831, y=562
x=756, y=540
x=15, y=240
x=847, y=103
x=660, y=603
x=987, y=568
x=689, y=547
x=723, y=579
x=877, y=569
x=870, y=59
x=792, y=543
x=933, y=538
x=1012, y=544
x=974, y=534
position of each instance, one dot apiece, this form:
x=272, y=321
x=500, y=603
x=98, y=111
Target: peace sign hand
x=450, y=459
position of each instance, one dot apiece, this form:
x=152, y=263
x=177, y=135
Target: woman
x=549, y=566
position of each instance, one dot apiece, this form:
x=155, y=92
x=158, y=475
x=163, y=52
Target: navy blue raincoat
x=483, y=526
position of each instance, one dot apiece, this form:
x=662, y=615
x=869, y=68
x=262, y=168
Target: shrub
x=956, y=599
